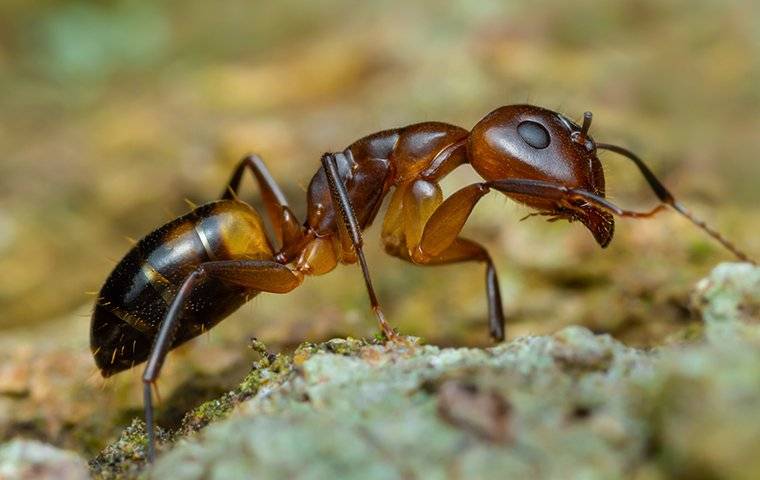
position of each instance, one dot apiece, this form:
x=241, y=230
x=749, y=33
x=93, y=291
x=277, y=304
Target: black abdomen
x=137, y=294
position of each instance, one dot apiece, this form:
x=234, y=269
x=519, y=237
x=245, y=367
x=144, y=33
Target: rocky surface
x=568, y=405
x=32, y=460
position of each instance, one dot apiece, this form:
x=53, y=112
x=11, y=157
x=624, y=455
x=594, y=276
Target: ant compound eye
x=534, y=134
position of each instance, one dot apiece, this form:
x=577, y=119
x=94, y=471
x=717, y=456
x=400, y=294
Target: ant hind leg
x=259, y=275
x=287, y=228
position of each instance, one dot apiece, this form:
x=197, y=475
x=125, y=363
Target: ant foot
x=388, y=332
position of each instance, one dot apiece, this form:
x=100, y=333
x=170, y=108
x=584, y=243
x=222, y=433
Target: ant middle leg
x=258, y=275
x=342, y=201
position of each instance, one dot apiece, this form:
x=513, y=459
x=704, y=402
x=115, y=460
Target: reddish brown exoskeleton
x=188, y=275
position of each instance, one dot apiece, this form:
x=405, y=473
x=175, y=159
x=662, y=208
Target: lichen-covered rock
x=570, y=405
x=703, y=412
x=544, y=405
x=32, y=460
x=126, y=457
x=729, y=302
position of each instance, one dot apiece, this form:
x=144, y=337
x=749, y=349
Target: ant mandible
x=188, y=275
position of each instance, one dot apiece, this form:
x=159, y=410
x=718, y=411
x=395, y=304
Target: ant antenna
x=586, y=125
x=680, y=208
x=667, y=198
x=581, y=136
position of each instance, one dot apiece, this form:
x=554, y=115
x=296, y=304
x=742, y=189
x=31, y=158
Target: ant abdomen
x=136, y=296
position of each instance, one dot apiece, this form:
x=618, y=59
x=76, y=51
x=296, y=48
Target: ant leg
x=259, y=275
x=560, y=193
x=340, y=199
x=440, y=237
x=449, y=218
x=416, y=213
x=287, y=229
x=444, y=225
x=441, y=244
x=465, y=250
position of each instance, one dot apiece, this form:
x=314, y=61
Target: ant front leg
x=440, y=243
x=564, y=194
x=561, y=193
x=420, y=229
x=287, y=228
x=342, y=201
x=257, y=275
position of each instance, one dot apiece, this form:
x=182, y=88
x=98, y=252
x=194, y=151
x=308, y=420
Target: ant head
x=528, y=142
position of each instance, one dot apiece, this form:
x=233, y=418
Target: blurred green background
x=112, y=113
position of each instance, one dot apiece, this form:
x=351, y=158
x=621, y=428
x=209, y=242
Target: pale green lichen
x=729, y=302
x=382, y=413
x=569, y=405
x=126, y=457
x=33, y=460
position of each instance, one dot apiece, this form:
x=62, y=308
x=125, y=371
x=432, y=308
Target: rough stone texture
x=729, y=301
x=421, y=411
x=569, y=405
x=32, y=460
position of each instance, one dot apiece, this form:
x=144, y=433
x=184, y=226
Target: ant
x=188, y=275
